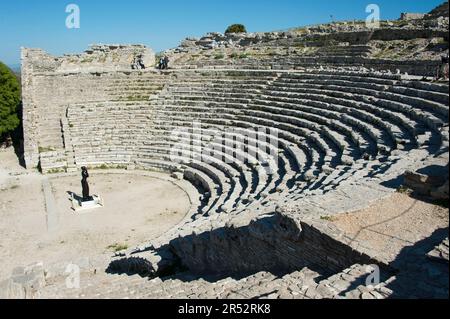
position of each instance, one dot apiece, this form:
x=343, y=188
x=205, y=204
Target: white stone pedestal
x=79, y=205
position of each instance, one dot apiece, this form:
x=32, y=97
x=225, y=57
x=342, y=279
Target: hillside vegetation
x=9, y=101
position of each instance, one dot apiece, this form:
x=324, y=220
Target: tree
x=9, y=101
x=236, y=28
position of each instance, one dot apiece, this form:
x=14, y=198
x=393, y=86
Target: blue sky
x=163, y=24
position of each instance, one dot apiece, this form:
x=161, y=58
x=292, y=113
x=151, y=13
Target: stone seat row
x=349, y=283
x=89, y=151
x=410, y=120
x=419, y=89
x=303, y=119
x=258, y=124
x=301, y=156
x=305, y=155
x=245, y=157
x=444, y=108
x=368, y=90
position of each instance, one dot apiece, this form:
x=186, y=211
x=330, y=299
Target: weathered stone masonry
x=50, y=84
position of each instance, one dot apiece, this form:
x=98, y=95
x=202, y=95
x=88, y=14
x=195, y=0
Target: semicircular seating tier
x=261, y=138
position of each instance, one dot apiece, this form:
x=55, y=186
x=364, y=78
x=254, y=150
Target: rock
x=273, y=296
x=178, y=176
x=426, y=184
x=367, y=295
x=309, y=176
x=346, y=160
x=440, y=252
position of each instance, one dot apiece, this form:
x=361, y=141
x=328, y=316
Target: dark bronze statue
x=84, y=183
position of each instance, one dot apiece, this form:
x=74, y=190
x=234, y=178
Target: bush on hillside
x=236, y=28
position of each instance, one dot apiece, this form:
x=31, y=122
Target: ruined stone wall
x=340, y=45
x=411, y=16
x=267, y=245
x=387, y=34
x=50, y=84
x=276, y=243
x=344, y=34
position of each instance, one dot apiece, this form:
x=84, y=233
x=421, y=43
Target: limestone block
x=177, y=176
x=425, y=184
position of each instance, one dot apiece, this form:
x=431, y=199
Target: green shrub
x=236, y=55
x=57, y=170
x=327, y=218
x=403, y=190
x=9, y=100
x=236, y=28
x=219, y=56
x=46, y=149
x=117, y=247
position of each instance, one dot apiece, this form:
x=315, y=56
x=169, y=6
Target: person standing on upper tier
x=166, y=62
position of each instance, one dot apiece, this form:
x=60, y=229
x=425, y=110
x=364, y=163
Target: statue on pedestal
x=87, y=201
x=84, y=183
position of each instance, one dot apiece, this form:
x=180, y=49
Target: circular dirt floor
x=137, y=209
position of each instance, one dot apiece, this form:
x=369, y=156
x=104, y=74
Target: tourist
x=140, y=62
x=161, y=63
